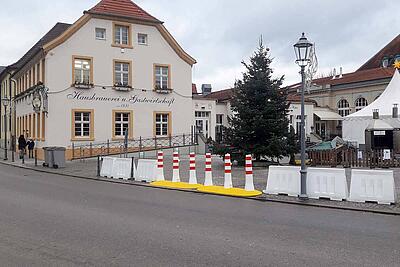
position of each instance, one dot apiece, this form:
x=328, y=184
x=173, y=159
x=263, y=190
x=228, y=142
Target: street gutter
x=263, y=198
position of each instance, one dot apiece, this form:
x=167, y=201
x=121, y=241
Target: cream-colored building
x=7, y=113
x=211, y=112
x=116, y=68
x=351, y=92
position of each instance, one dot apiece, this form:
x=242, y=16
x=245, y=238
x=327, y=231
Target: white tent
x=354, y=125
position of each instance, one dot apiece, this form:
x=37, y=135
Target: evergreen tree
x=260, y=122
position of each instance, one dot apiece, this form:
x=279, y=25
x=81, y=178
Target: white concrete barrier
x=283, y=180
x=228, y=172
x=160, y=166
x=146, y=170
x=122, y=168
x=208, y=180
x=327, y=183
x=372, y=185
x=106, y=167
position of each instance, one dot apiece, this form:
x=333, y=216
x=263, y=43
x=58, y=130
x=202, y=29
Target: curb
x=259, y=198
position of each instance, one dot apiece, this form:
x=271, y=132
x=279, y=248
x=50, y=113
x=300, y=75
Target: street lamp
x=6, y=102
x=302, y=50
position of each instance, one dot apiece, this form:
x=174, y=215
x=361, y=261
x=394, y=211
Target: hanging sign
x=379, y=133
x=360, y=155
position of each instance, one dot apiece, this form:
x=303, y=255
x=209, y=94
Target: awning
x=326, y=114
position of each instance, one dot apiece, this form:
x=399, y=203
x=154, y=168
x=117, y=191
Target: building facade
x=350, y=92
x=116, y=71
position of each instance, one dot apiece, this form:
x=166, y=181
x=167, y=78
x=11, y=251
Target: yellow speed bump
x=178, y=185
x=236, y=192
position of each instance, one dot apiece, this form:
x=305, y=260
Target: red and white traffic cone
x=208, y=176
x=160, y=166
x=175, y=172
x=192, y=170
x=249, y=186
x=228, y=172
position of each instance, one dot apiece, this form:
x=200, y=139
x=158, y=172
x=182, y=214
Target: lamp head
x=302, y=50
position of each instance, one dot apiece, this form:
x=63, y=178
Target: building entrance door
x=320, y=128
x=203, y=123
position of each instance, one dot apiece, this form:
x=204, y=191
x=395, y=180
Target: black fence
x=94, y=149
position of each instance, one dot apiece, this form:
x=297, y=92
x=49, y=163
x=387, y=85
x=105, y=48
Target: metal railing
x=82, y=150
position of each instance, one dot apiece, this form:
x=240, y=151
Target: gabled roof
x=391, y=49
x=222, y=95
x=57, y=30
x=354, y=77
x=124, y=8
x=2, y=68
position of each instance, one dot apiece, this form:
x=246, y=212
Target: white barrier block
x=122, y=168
x=106, y=167
x=283, y=180
x=372, y=185
x=327, y=183
x=146, y=170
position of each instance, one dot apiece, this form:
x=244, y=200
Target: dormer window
x=385, y=62
x=397, y=58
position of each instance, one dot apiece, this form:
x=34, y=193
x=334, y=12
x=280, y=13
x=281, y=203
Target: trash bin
x=54, y=157
x=58, y=157
x=48, y=157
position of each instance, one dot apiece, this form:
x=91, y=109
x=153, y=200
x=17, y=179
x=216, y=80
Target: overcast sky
x=219, y=34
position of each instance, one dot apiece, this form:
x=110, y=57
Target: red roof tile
x=219, y=95
x=124, y=8
x=353, y=77
x=391, y=49
x=297, y=98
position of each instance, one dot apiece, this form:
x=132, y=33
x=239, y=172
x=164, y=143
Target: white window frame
x=104, y=31
x=162, y=125
x=160, y=77
x=343, y=107
x=121, y=73
x=122, y=124
x=360, y=103
x=79, y=67
x=119, y=31
x=145, y=36
x=82, y=122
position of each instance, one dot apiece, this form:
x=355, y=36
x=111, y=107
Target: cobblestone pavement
x=87, y=168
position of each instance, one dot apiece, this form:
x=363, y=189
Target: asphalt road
x=53, y=220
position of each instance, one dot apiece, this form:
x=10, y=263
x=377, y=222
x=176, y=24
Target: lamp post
x=302, y=50
x=6, y=102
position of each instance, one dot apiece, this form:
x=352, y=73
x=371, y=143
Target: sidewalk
x=87, y=169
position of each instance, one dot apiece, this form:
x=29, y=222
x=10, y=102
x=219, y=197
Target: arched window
x=361, y=103
x=343, y=108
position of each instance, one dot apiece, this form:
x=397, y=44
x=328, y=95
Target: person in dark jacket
x=21, y=145
x=31, y=146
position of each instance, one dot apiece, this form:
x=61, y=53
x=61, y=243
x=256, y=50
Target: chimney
x=375, y=114
x=341, y=73
x=334, y=74
x=206, y=89
x=395, y=113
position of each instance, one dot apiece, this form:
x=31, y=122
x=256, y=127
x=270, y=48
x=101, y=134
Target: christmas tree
x=260, y=124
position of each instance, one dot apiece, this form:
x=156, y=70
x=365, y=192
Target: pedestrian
x=31, y=146
x=21, y=146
